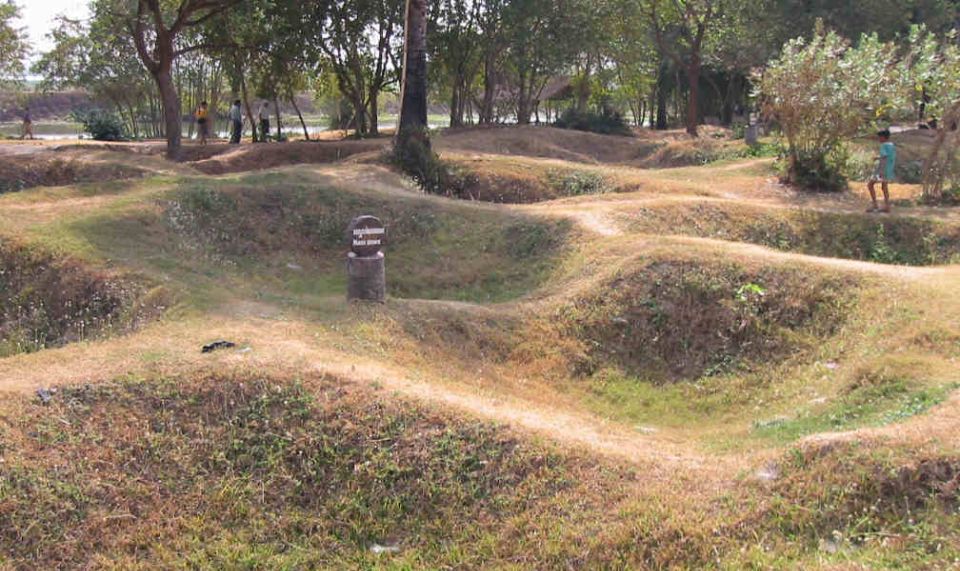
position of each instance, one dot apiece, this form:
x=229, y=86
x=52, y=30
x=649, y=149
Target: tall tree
x=456, y=44
x=359, y=42
x=493, y=45
x=158, y=29
x=541, y=38
x=680, y=28
x=99, y=57
x=14, y=47
x=413, y=88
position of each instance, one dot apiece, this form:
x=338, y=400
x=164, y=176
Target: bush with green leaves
x=933, y=69
x=101, y=125
x=607, y=121
x=824, y=91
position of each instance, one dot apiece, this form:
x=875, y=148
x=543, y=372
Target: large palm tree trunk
x=413, y=92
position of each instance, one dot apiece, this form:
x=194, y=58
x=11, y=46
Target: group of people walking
x=202, y=117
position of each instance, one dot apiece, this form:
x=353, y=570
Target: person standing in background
x=883, y=173
x=203, y=122
x=26, y=129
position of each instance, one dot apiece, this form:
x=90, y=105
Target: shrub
x=933, y=69
x=824, y=91
x=101, y=125
x=576, y=183
x=606, y=122
x=820, y=173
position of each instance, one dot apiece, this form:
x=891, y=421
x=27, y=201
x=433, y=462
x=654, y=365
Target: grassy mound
x=672, y=320
x=882, y=504
x=247, y=472
x=23, y=172
x=513, y=182
x=644, y=150
x=434, y=250
x=48, y=302
x=890, y=239
x=264, y=156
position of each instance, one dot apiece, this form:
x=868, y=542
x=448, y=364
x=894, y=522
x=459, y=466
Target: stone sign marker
x=366, y=273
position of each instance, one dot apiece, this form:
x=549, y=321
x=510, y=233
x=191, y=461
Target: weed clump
x=101, y=125
x=815, y=172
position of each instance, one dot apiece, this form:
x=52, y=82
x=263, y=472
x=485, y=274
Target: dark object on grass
x=45, y=395
x=221, y=344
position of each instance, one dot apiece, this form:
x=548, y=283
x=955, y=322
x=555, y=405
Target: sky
x=38, y=17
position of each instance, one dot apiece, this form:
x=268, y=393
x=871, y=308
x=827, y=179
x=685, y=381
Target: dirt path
x=289, y=346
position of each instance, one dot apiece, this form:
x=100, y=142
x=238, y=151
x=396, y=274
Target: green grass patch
x=634, y=400
x=892, y=401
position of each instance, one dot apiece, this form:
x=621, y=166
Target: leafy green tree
x=492, y=24
x=361, y=44
x=160, y=30
x=14, y=47
x=100, y=58
x=540, y=38
x=823, y=91
x=680, y=28
x=455, y=47
x=852, y=18
x=634, y=58
x=933, y=68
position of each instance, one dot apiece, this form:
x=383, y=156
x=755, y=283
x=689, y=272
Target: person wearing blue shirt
x=883, y=173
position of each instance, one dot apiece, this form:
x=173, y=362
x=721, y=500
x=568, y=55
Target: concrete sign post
x=752, y=134
x=366, y=273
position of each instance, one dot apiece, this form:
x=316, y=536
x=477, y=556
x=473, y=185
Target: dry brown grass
x=689, y=474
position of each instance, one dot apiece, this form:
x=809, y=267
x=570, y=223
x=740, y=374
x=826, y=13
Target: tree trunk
x=276, y=107
x=661, y=106
x=582, y=87
x=524, y=101
x=246, y=105
x=359, y=115
x=456, y=110
x=489, y=90
x=730, y=101
x=171, y=112
x=374, y=112
x=413, y=91
x=693, y=84
x=293, y=101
